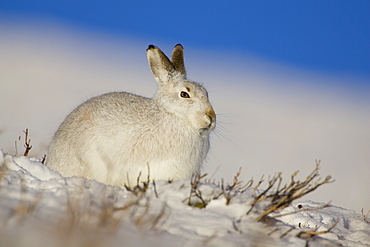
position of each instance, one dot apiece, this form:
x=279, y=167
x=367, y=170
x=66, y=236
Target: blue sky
x=325, y=36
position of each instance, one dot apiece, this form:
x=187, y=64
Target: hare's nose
x=210, y=113
x=211, y=116
x=210, y=122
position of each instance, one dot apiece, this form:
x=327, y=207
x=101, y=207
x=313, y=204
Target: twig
x=43, y=159
x=236, y=227
x=195, y=192
x=155, y=189
x=302, y=210
x=27, y=143
x=284, y=196
x=309, y=234
x=285, y=233
x=365, y=216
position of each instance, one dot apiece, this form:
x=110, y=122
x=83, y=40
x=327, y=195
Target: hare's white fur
x=117, y=137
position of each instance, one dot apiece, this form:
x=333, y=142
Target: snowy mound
x=39, y=206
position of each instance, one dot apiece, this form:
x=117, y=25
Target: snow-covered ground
x=271, y=118
x=39, y=206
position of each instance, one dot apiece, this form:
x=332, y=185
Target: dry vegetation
x=276, y=195
x=365, y=216
x=282, y=196
x=138, y=208
x=27, y=144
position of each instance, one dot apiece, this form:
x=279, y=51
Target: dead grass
x=366, y=216
x=230, y=191
x=276, y=195
x=306, y=234
x=280, y=196
x=27, y=146
x=140, y=209
x=27, y=143
x=195, y=198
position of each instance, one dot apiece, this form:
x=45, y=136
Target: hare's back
x=112, y=109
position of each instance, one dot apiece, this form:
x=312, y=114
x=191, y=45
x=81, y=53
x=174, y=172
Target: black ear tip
x=180, y=45
x=151, y=47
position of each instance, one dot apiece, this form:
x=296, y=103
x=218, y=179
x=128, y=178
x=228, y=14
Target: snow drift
x=38, y=206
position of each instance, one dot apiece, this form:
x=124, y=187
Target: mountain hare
x=120, y=138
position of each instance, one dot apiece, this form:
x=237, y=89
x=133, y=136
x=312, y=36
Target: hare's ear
x=162, y=68
x=178, y=59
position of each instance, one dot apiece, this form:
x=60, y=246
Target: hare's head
x=185, y=99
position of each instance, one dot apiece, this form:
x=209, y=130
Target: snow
x=38, y=206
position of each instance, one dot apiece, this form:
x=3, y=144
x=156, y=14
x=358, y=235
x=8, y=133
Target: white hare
x=117, y=137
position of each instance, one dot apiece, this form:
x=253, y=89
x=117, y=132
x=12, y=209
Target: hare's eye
x=184, y=94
